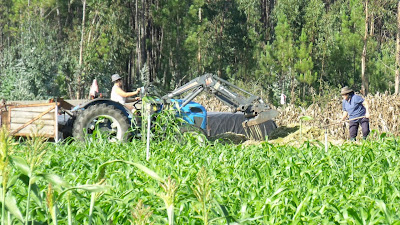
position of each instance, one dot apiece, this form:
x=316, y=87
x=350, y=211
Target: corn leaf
x=21, y=164
x=55, y=180
x=12, y=206
x=148, y=171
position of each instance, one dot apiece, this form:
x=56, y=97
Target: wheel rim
x=106, y=126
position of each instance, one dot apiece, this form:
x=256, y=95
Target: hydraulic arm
x=253, y=107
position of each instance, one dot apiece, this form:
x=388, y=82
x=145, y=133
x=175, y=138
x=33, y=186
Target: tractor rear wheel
x=101, y=119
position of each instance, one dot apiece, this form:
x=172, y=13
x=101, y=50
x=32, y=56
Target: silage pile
x=212, y=104
x=384, y=110
x=384, y=115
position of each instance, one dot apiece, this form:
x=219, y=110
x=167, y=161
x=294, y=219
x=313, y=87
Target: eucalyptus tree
x=29, y=69
x=196, y=42
x=5, y=9
x=96, y=46
x=267, y=7
x=171, y=53
x=364, y=76
x=397, y=77
x=380, y=60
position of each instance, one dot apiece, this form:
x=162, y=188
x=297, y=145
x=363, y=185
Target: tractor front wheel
x=101, y=121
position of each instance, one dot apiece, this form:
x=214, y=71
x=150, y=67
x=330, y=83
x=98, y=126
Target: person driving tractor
x=119, y=95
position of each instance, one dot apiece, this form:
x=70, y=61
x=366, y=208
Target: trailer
x=24, y=118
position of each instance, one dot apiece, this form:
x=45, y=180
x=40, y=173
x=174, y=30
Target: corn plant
x=5, y=152
x=50, y=204
x=141, y=214
x=36, y=148
x=226, y=184
x=170, y=187
x=202, y=191
x=303, y=118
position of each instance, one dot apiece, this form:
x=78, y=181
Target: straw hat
x=115, y=77
x=346, y=90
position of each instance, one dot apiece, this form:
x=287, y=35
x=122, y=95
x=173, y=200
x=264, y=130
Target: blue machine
x=193, y=113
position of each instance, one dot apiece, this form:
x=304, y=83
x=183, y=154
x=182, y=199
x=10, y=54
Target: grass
x=112, y=183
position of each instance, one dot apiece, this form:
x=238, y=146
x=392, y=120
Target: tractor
x=119, y=121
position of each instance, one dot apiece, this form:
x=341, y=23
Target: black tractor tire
x=117, y=123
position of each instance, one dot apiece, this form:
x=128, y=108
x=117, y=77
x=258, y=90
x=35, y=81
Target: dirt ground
x=285, y=135
x=293, y=135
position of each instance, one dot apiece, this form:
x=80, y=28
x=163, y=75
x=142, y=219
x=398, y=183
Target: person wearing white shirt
x=119, y=95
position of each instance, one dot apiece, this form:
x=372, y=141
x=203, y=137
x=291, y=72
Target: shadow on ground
x=229, y=138
x=282, y=132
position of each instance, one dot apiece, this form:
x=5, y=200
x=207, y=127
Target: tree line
x=301, y=48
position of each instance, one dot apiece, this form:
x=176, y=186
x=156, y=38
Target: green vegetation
x=302, y=48
x=101, y=183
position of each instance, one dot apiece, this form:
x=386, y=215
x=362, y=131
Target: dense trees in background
x=301, y=48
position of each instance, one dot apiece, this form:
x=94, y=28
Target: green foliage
x=382, y=69
x=280, y=45
x=346, y=56
x=278, y=59
x=213, y=184
x=304, y=63
x=293, y=11
x=31, y=67
x=284, y=45
x=313, y=17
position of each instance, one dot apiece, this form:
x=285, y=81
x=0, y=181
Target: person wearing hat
x=119, y=95
x=354, y=106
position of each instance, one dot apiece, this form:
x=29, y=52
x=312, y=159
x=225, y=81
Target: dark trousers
x=353, y=128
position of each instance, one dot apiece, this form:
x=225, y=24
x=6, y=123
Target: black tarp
x=223, y=122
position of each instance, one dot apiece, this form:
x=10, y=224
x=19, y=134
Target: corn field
x=198, y=183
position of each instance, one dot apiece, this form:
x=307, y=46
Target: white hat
x=115, y=77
